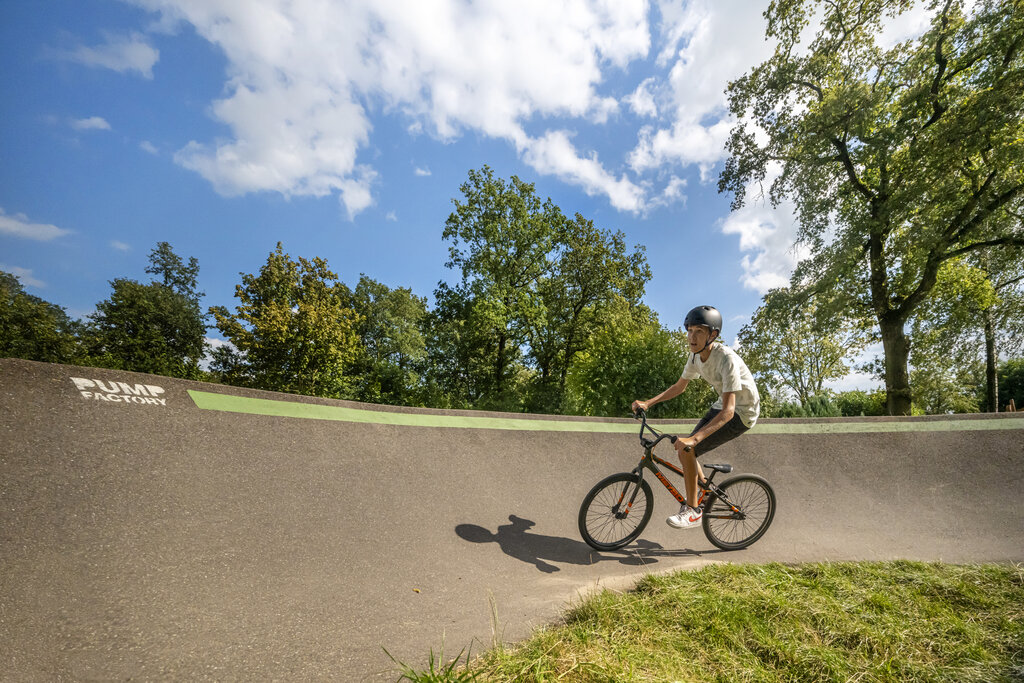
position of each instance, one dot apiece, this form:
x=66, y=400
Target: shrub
x=856, y=403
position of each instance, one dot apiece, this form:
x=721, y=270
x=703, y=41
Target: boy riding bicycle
x=734, y=413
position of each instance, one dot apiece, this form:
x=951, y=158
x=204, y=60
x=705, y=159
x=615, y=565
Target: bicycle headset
x=708, y=316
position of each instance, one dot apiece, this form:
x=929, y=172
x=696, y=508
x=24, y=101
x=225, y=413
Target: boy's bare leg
x=691, y=470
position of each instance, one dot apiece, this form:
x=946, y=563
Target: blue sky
x=344, y=129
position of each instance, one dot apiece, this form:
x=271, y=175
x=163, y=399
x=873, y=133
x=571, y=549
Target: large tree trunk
x=991, y=376
x=897, y=376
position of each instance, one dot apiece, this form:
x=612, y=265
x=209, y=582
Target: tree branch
x=942, y=62
x=987, y=211
x=851, y=172
x=811, y=86
x=1011, y=240
x=1009, y=283
x=937, y=258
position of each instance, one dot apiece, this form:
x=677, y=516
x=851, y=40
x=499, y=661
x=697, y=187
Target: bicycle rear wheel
x=741, y=514
x=607, y=521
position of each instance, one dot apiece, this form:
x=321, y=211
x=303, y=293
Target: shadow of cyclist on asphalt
x=515, y=540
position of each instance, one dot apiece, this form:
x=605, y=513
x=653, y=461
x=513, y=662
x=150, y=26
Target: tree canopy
x=534, y=286
x=156, y=327
x=32, y=328
x=798, y=345
x=899, y=159
x=294, y=329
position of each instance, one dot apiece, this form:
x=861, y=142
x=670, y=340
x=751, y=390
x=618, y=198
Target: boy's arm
x=670, y=393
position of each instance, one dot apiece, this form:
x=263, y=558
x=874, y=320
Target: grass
x=892, y=621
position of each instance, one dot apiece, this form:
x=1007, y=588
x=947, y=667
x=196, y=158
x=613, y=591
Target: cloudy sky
x=343, y=128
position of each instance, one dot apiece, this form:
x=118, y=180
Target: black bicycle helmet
x=704, y=315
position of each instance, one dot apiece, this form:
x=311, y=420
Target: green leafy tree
x=174, y=273
x=943, y=389
x=974, y=313
x=459, y=365
x=795, y=343
x=947, y=329
x=534, y=287
x=393, y=354
x=157, y=327
x=898, y=159
x=501, y=236
x=34, y=329
x=1003, y=319
x=590, y=269
x=294, y=329
x=1011, y=383
x=633, y=357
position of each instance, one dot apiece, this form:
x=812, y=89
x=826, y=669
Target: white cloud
x=673, y=192
x=120, y=53
x=91, y=123
x=19, y=225
x=217, y=343
x=767, y=239
x=708, y=43
x=422, y=171
x=641, y=101
x=906, y=26
x=603, y=109
x=120, y=246
x=555, y=154
x=304, y=75
x=391, y=216
x=355, y=192
x=23, y=274
x=687, y=142
x=148, y=147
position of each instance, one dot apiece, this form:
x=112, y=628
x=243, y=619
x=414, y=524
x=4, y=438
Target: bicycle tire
x=729, y=530
x=602, y=525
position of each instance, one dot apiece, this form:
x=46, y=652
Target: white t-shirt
x=726, y=372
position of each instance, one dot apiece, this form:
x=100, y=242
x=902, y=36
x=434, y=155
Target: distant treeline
x=544, y=315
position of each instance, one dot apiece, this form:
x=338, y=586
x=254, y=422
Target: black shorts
x=727, y=432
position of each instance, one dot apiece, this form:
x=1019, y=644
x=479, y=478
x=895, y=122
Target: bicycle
x=737, y=512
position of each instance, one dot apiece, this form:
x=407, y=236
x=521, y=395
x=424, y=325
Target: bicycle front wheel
x=616, y=511
x=740, y=513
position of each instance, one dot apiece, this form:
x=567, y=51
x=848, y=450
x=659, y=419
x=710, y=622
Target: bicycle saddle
x=724, y=469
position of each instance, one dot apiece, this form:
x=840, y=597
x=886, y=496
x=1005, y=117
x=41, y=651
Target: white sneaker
x=687, y=517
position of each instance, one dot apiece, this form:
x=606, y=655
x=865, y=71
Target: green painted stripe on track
x=262, y=406
x=277, y=408
x=866, y=427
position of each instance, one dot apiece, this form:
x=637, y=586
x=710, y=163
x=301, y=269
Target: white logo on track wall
x=120, y=392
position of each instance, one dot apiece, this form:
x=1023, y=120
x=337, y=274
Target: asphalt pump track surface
x=155, y=528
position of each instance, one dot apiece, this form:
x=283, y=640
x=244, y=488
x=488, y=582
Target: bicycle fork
x=618, y=509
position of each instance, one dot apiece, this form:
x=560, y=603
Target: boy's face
x=698, y=337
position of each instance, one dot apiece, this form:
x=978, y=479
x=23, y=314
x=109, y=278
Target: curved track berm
x=144, y=537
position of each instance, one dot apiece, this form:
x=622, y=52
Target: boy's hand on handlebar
x=684, y=443
x=638, y=406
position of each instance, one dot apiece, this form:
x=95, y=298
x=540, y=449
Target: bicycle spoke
x=754, y=503
x=604, y=518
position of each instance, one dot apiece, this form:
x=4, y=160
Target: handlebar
x=641, y=415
